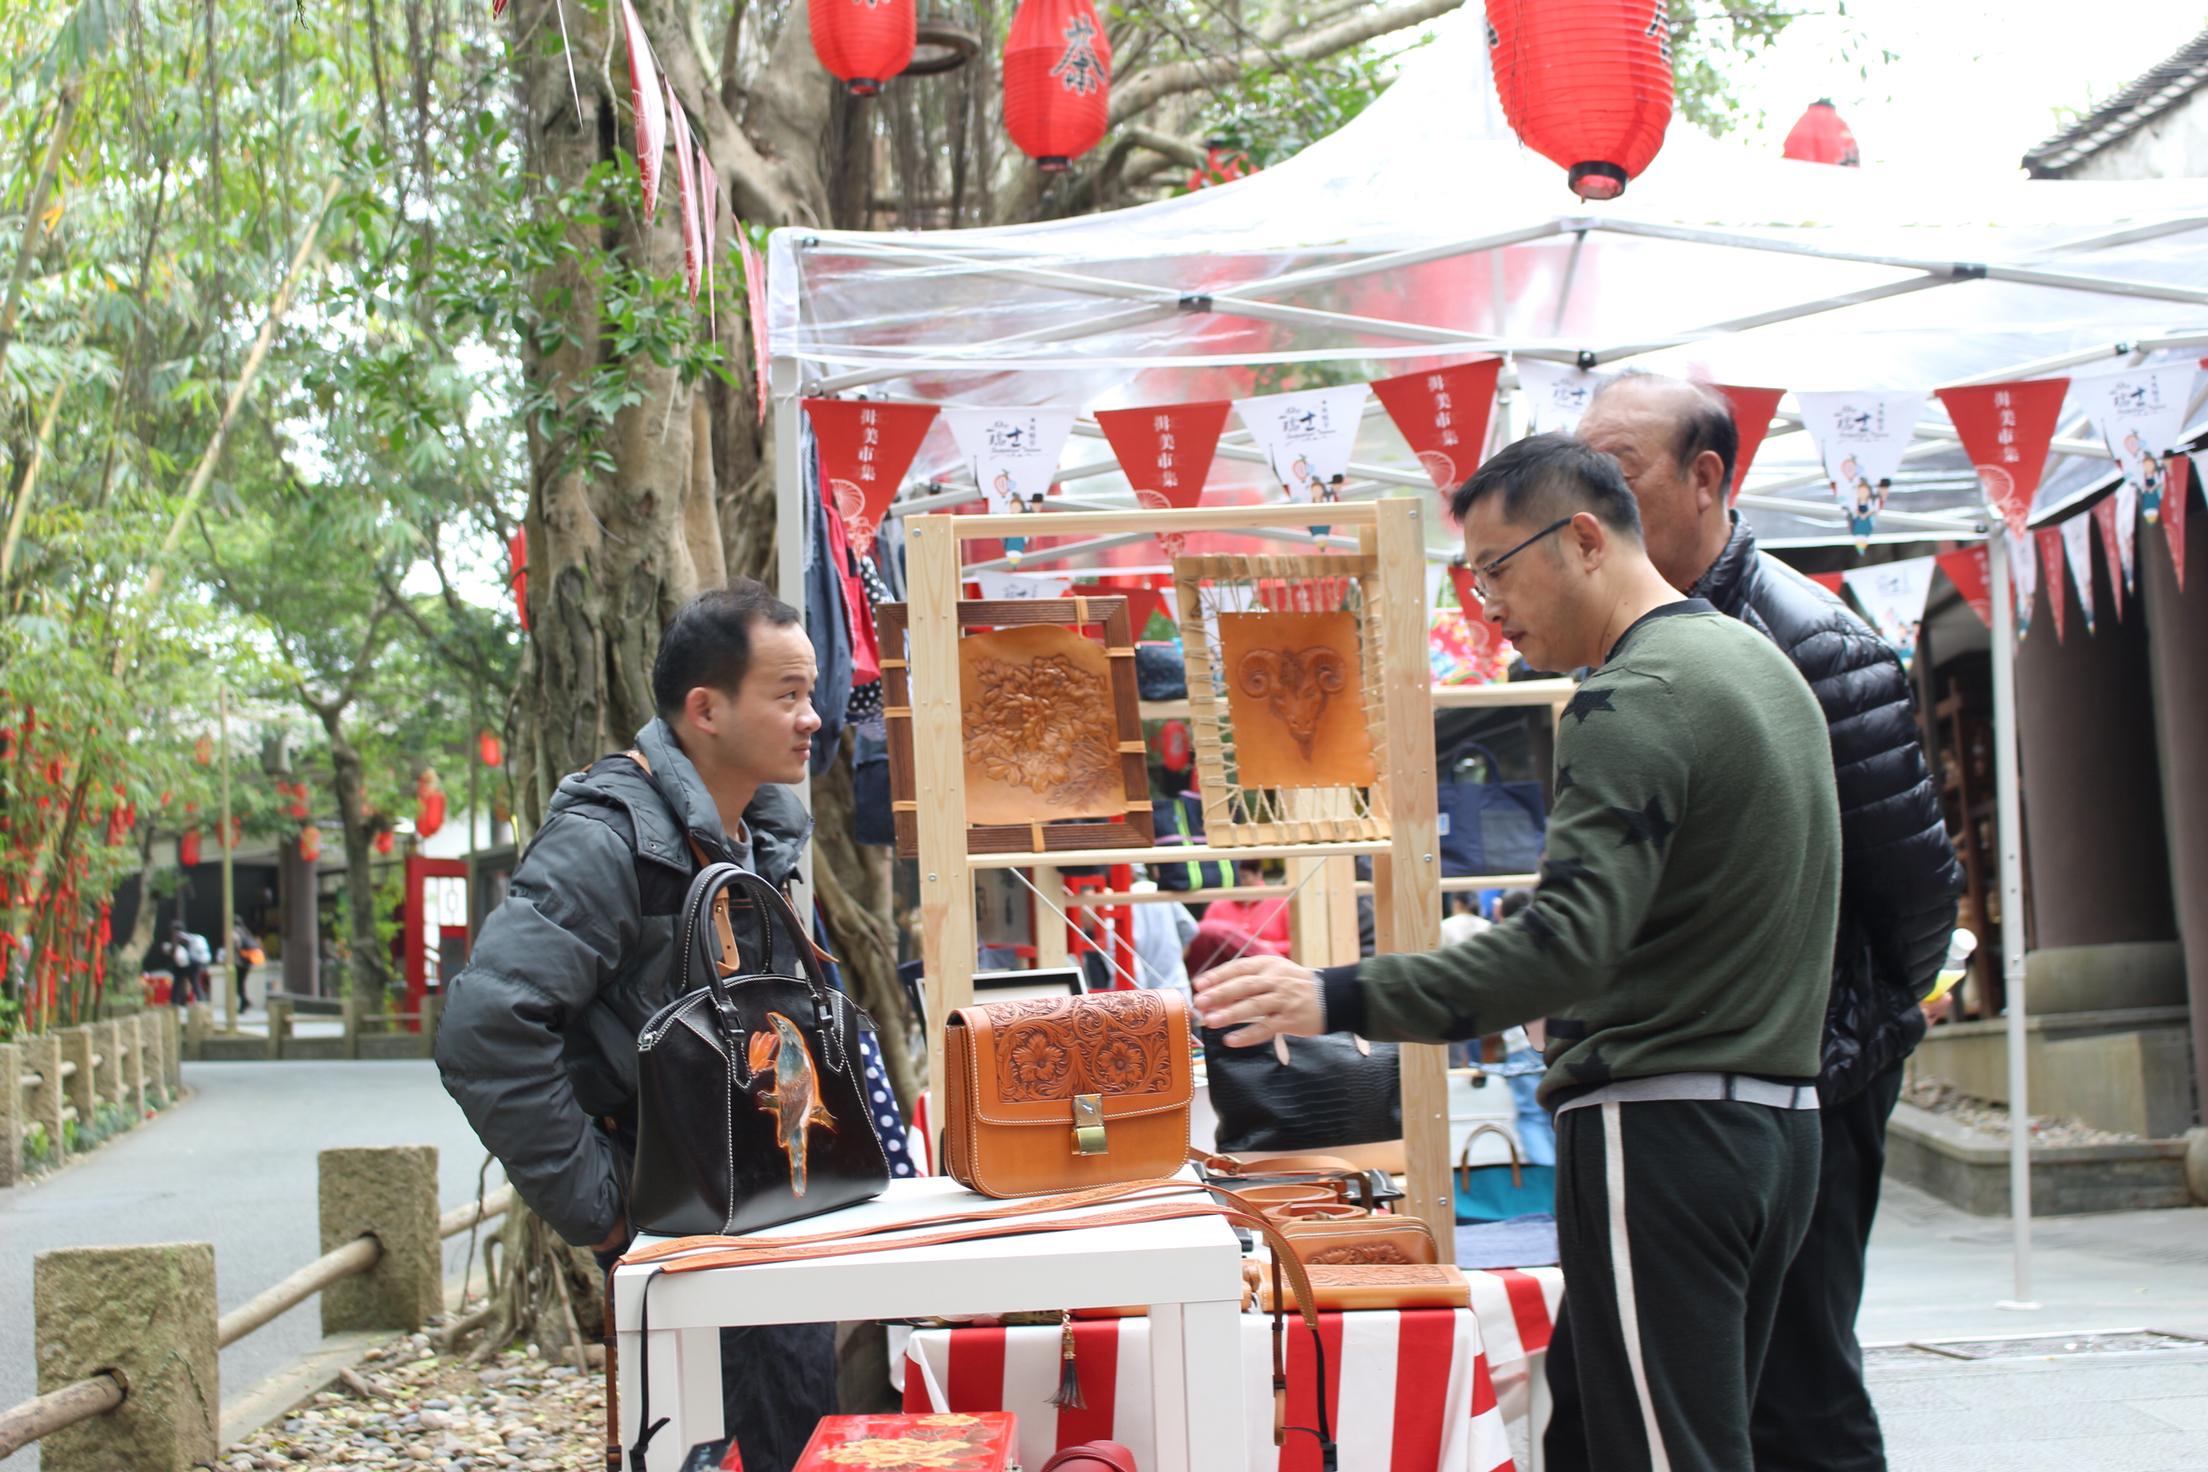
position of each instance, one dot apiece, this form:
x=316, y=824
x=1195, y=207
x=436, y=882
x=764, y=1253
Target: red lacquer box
x=983, y=1441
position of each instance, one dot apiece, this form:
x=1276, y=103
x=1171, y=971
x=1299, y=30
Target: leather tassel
x=1069, y=1374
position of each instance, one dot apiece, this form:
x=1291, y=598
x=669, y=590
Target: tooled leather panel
x=1373, y=1253
x=1348, y=1275
x=1104, y=1043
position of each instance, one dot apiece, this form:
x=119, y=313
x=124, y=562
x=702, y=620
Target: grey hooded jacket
x=537, y=1042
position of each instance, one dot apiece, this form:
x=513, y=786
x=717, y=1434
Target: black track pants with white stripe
x=1675, y=1224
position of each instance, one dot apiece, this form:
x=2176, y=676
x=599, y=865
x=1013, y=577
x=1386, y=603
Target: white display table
x=1189, y=1271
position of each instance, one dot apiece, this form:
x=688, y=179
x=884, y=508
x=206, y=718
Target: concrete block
x=11, y=1113
x=149, y=1314
x=132, y=1031
x=172, y=1052
x=355, y=1022
x=2196, y=1165
x=1971, y=1170
x=108, y=1038
x=2119, y=1070
x=2099, y=978
x=433, y=1006
x=389, y=1192
x=81, y=1087
x=199, y=1024
x=392, y=1045
x=42, y=1105
x=279, y=1025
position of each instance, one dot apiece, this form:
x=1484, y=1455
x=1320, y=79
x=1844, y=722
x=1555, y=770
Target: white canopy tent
x=1424, y=233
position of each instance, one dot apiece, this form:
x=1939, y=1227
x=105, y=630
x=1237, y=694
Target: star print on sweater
x=1648, y=825
x=1585, y=701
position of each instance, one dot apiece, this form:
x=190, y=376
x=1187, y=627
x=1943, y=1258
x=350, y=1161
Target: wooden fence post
x=172, y=1054
x=108, y=1036
x=11, y=1113
x=148, y=1315
x=80, y=1087
x=42, y=1105
x=353, y=1026
x=279, y=1025
x=131, y=1033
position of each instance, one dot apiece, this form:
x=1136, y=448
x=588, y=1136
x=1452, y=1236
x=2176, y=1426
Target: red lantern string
x=1585, y=85
x=1057, y=80
x=864, y=42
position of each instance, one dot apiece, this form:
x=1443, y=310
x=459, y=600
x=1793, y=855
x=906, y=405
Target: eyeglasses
x=1482, y=574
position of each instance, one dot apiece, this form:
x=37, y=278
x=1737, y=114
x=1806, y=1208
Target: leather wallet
x=1064, y=1093
x=1342, y=1287
x=1401, y=1241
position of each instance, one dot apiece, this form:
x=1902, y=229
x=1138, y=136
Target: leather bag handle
x=1464, y=1160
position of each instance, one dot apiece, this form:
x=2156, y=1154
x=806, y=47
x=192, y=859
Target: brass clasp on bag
x=1088, y=1124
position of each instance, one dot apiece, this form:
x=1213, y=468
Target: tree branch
x=1153, y=84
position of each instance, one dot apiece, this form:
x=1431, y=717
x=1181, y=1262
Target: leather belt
x=1738, y=1087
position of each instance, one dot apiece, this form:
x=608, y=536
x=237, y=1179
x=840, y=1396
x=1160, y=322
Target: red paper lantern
x=187, y=849
x=429, y=813
x=1057, y=80
x=1585, y=84
x=864, y=42
x=492, y=750
x=310, y=843
x=1819, y=136
x=384, y=842
x=1173, y=746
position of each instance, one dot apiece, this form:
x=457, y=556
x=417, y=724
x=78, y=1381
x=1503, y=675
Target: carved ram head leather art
x=1295, y=685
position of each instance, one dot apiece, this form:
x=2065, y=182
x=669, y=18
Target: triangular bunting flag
x=2141, y=412
x=1166, y=454
x=1443, y=416
x=2005, y=429
x=755, y=303
x=2050, y=560
x=1752, y=411
x=1892, y=594
x=2077, y=546
x=1307, y=437
x=1972, y=576
x=865, y=450
x=1557, y=394
x=1022, y=585
x=1861, y=436
x=2173, y=524
x=2104, y=516
x=1833, y=581
x=2023, y=577
x=648, y=107
x=1012, y=452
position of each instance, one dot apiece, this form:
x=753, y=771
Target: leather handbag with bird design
x=751, y=1093
x=1063, y=1093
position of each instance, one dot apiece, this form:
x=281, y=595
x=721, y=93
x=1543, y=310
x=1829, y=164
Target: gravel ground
x=432, y=1413
x=1937, y=1096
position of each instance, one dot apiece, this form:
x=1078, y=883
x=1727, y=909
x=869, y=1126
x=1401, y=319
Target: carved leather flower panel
x=1046, y=725
x=1114, y=1043
x=1363, y=1252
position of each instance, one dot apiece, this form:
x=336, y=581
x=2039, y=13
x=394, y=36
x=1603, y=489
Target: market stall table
x=1430, y=1390
x=1188, y=1270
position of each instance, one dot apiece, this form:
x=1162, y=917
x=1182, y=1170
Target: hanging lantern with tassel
x=429, y=811
x=1585, y=84
x=1821, y=136
x=1057, y=81
x=187, y=849
x=310, y=843
x=864, y=42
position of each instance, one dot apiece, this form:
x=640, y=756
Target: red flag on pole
x=865, y=450
x=2005, y=429
x=1972, y=576
x=1443, y=416
x=2050, y=562
x=1752, y=411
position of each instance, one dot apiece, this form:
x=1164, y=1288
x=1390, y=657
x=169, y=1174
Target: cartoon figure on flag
x=2141, y=413
x=1861, y=437
x=1306, y=437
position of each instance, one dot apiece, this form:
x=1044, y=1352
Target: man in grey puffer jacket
x=538, y=1038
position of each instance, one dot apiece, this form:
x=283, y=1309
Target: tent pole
x=784, y=381
x=2009, y=816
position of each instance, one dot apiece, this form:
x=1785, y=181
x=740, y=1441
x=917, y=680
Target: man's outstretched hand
x=1262, y=997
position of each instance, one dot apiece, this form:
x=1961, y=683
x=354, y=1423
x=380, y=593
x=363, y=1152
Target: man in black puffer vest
x=1677, y=444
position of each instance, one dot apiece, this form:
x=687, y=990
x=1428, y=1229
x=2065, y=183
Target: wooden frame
x=1132, y=829
x=1406, y=894
x=1237, y=816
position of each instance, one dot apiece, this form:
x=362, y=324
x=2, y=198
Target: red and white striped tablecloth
x=1429, y=1390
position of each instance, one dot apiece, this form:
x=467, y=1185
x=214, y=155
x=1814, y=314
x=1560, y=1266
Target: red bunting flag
x=2005, y=429
x=1972, y=576
x=517, y=565
x=1833, y=581
x=2104, y=516
x=1166, y=453
x=1443, y=416
x=2173, y=512
x=1752, y=411
x=2050, y=562
x=865, y=450
x=1468, y=597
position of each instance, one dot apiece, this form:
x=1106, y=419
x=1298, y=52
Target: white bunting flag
x=1307, y=437
x=2141, y=414
x=2023, y=577
x=1556, y=394
x=2077, y=550
x=1892, y=594
x=1012, y=452
x=1023, y=585
x=1860, y=437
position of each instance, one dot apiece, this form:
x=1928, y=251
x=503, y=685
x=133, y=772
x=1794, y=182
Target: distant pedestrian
x=245, y=954
x=181, y=959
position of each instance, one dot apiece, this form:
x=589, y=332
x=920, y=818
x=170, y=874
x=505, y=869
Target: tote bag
x=1490, y=827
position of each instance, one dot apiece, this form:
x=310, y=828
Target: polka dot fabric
x=889, y=1124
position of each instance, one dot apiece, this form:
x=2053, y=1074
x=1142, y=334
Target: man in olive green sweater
x=1680, y=944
